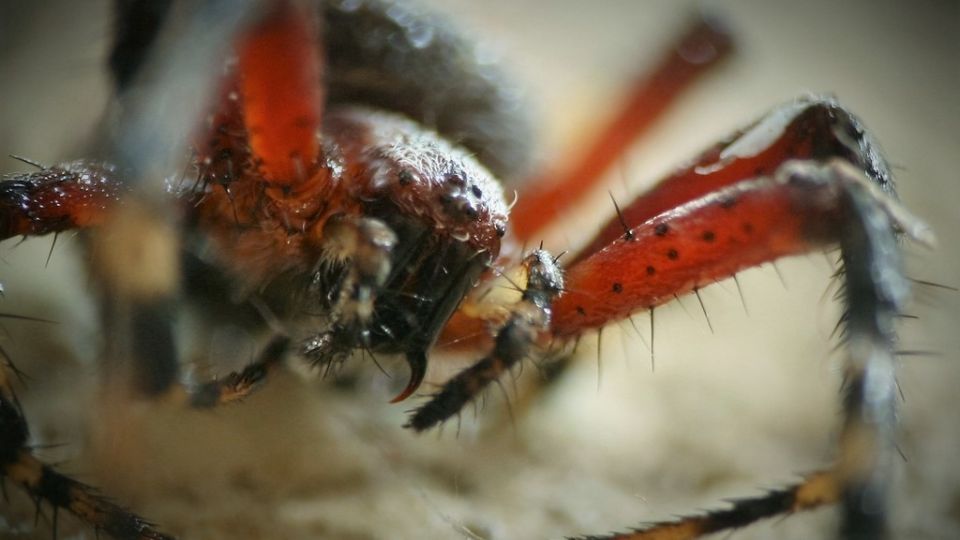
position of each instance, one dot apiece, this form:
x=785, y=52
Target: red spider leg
x=709, y=238
x=268, y=113
x=723, y=213
x=805, y=126
x=545, y=199
x=875, y=291
x=801, y=130
x=804, y=130
x=137, y=303
x=392, y=182
x=842, y=195
x=280, y=65
x=56, y=199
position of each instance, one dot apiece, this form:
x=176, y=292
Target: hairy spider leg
x=546, y=198
x=726, y=211
x=43, y=483
x=515, y=340
x=814, y=491
x=809, y=176
x=804, y=177
x=273, y=123
x=55, y=199
x=860, y=476
x=86, y=194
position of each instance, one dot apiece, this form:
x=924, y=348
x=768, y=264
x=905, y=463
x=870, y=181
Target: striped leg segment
x=876, y=291
x=46, y=485
x=814, y=491
x=515, y=340
x=237, y=385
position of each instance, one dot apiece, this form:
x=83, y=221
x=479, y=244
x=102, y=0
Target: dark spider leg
x=236, y=385
x=814, y=491
x=162, y=74
x=137, y=304
x=135, y=259
x=876, y=291
x=135, y=254
x=44, y=484
x=514, y=341
x=547, y=198
x=137, y=24
x=81, y=194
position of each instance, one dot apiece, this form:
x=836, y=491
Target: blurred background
x=725, y=414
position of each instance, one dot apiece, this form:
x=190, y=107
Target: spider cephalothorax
x=383, y=246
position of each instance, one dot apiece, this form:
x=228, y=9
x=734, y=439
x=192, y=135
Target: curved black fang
x=418, y=369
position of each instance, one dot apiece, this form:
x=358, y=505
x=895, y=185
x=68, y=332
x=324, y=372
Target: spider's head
x=446, y=213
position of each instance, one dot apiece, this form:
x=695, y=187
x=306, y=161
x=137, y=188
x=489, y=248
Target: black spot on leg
x=709, y=236
x=651, y=270
x=673, y=255
x=617, y=287
x=477, y=192
x=581, y=311
x=661, y=229
x=728, y=202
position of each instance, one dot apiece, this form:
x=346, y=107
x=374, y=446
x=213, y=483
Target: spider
x=354, y=299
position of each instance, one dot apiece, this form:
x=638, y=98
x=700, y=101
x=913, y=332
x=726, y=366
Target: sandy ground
x=723, y=415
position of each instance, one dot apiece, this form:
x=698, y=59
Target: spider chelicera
x=359, y=287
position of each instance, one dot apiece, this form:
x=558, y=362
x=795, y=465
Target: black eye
x=455, y=179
